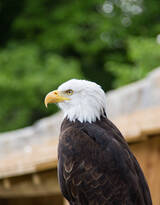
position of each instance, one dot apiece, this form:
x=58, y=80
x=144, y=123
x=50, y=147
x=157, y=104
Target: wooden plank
x=65, y=202
x=138, y=125
x=42, y=157
x=148, y=155
x=46, y=165
x=39, y=184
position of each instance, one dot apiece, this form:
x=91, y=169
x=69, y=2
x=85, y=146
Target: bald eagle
x=95, y=164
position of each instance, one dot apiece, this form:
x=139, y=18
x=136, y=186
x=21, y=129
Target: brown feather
x=96, y=166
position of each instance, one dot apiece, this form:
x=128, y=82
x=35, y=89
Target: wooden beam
x=6, y=183
x=140, y=124
x=148, y=155
x=41, y=184
x=65, y=202
x=36, y=179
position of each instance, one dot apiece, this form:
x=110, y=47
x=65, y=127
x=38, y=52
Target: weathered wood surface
x=140, y=124
x=135, y=96
x=148, y=155
x=43, y=183
x=43, y=156
x=37, y=158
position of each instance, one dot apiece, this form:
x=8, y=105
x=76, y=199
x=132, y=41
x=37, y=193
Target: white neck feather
x=86, y=115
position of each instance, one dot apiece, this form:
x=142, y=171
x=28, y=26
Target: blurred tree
x=105, y=41
x=144, y=55
x=26, y=76
x=9, y=10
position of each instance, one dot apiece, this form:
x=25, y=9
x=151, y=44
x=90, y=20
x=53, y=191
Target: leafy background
x=44, y=43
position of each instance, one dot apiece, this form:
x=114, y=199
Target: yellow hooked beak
x=54, y=97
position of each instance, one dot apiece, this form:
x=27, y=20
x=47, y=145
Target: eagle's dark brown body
x=96, y=166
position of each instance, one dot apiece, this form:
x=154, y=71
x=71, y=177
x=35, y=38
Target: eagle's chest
x=78, y=158
x=74, y=150
x=72, y=165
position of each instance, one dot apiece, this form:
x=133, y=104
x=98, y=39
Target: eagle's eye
x=69, y=92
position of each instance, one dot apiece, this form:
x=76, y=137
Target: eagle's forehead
x=78, y=85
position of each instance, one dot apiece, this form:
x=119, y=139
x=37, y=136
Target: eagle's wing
x=97, y=167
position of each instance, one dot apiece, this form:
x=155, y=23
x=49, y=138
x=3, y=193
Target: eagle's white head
x=80, y=100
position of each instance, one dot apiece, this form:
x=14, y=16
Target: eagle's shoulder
x=101, y=138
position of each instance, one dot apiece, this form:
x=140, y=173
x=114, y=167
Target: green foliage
x=46, y=42
x=144, y=55
x=26, y=76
